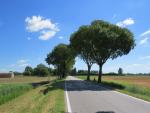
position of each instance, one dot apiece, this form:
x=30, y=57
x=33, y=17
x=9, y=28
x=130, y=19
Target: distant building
x=7, y=75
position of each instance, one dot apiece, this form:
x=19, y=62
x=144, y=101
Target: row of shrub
x=9, y=91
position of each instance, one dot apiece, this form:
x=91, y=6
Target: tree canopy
x=102, y=41
x=79, y=42
x=120, y=71
x=41, y=70
x=28, y=71
x=108, y=42
x=62, y=58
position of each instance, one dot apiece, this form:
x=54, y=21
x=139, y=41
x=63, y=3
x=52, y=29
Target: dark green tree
x=74, y=72
x=109, y=42
x=62, y=58
x=120, y=71
x=41, y=70
x=80, y=44
x=28, y=71
x=101, y=41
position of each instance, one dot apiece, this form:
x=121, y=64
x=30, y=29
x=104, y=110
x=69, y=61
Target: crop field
x=32, y=95
x=138, y=86
x=23, y=79
x=137, y=80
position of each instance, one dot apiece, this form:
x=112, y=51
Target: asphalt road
x=85, y=97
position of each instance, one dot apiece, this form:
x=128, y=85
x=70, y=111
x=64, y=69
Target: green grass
x=9, y=91
x=45, y=98
x=125, y=87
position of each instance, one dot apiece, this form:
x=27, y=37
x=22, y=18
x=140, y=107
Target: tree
x=41, y=70
x=74, y=72
x=62, y=58
x=101, y=41
x=28, y=71
x=80, y=44
x=120, y=71
x=108, y=41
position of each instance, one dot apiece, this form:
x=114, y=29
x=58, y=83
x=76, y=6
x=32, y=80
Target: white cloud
x=146, y=33
x=45, y=35
x=144, y=57
x=145, y=36
x=60, y=37
x=46, y=27
x=21, y=63
x=126, y=22
x=37, y=23
x=144, y=41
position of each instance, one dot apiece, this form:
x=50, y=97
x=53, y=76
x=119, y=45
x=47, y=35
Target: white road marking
x=67, y=100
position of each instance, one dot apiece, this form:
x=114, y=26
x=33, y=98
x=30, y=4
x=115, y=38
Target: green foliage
x=102, y=41
x=120, y=71
x=62, y=58
x=41, y=70
x=28, y=71
x=110, y=74
x=109, y=41
x=80, y=45
x=74, y=72
x=84, y=72
x=138, y=90
x=9, y=91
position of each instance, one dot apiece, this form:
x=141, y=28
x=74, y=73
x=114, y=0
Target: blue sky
x=29, y=29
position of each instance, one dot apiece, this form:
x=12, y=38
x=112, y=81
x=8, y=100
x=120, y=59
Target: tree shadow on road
x=79, y=85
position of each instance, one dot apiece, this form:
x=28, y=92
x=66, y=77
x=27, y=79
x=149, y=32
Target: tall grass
x=11, y=91
x=135, y=89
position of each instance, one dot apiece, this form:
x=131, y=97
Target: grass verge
x=124, y=87
x=9, y=91
x=45, y=98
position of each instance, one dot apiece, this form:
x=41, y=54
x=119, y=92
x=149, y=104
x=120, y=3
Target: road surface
x=85, y=97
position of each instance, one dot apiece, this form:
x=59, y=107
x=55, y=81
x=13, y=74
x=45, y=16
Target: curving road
x=84, y=97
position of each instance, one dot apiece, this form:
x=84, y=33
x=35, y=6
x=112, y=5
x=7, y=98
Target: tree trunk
x=63, y=74
x=89, y=69
x=100, y=74
x=64, y=70
x=59, y=72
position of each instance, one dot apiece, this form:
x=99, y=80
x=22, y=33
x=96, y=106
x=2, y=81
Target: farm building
x=7, y=75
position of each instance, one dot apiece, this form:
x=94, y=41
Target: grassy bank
x=45, y=98
x=125, y=86
x=9, y=91
x=11, y=88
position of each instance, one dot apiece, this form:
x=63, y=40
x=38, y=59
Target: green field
x=44, y=96
x=138, y=86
